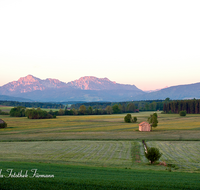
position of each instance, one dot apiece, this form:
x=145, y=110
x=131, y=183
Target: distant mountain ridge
x=29, y=84
x=148, y=91
x=11, y=98
x=91, y=83
x=94, y=83
x=90, y=88
x=187, y=91
x=86, y=88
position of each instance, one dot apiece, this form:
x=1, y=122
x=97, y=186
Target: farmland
x=185, y=155
x=101, y=127
x=102, y=151
x=82, y=177
x=121, y=154
x=5, y=108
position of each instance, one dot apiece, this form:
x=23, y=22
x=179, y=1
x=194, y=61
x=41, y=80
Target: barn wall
x=144, y=128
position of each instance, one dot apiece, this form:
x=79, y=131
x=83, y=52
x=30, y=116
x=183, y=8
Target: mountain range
x=88, y=88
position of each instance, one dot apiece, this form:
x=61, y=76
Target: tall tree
x=131, y=107
x=90, y=110
x=153, y=121
x=116, y=108
x=147, y=106
x=61, y=112
x=123, y=108
x=120, y=108
x=153, y=154
x=109, y=110
x=82, y=109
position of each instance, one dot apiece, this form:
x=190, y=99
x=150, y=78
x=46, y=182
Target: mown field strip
x=171, y=155
x=186, y=155
x=98, y=153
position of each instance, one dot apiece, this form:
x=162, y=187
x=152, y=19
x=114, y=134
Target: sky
x=151, y=44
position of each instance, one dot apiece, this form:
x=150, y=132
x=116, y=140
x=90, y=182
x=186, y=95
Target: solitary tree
x=134, y=119
x=153, y=121
x=153, y=154
x=128, y=118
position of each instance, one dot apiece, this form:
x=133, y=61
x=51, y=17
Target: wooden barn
x=144, y=126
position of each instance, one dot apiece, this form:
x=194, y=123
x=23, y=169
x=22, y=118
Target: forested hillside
x=190, y=106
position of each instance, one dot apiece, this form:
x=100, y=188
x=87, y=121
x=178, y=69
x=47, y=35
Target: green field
x=185, y=155
x=101, y=152
x=101, y=127
x=8, y=108
x=95, y=153
x=5, y=108
x=81, y=177
x=121, y=154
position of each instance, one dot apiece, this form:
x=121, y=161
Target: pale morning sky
x=151, y=44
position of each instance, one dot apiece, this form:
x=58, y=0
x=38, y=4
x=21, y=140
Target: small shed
x=3, y=124
x=144, y=126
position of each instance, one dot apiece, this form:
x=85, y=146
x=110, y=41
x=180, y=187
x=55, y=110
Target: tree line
x=128, y=107
x=175, y=106
x=32, y=104
x=30, y=113
x=149, y=105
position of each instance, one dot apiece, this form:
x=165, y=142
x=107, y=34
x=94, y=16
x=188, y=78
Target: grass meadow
x=8, y=108
x=5, y=108
x=101, y=127
x=183, y=154
x=100, y=152
x=120, y=154
x=101, y=178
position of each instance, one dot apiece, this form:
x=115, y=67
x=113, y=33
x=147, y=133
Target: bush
x=3, y=124
x=134, y=119
x=127, y=118
x=17, y=112
x=182, y=113
x=152, y=154
x=37, y=114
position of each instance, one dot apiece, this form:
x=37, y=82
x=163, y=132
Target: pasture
x=101, y=127
x=5, y=108
x=101, y=152
x=8, y=108
x=120, y=154
x=184, y=155
x=82, y=177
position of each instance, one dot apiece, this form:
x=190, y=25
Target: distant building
x=137, y=110
x=144, y=126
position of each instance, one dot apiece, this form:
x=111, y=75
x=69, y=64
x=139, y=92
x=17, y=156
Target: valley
x=101, y=151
